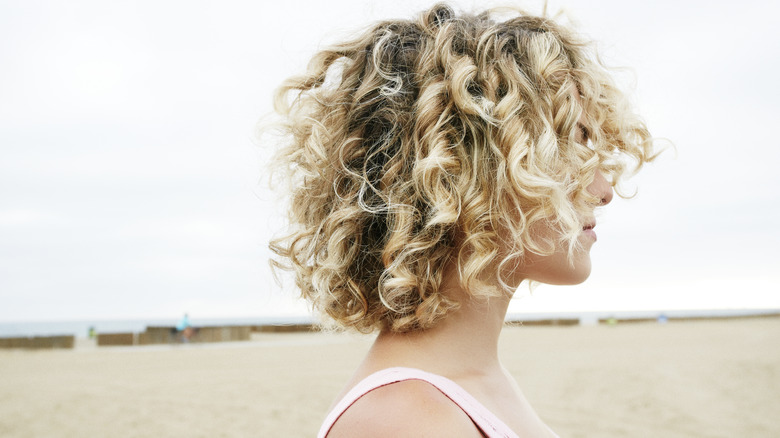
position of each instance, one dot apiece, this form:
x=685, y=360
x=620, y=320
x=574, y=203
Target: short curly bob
x=440, y=140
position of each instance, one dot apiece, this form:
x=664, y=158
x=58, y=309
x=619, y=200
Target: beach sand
x=680, y=379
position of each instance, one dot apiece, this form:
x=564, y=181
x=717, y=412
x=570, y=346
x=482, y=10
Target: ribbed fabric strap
x=487, y=422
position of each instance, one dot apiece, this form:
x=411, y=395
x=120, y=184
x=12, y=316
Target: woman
x=437, y=163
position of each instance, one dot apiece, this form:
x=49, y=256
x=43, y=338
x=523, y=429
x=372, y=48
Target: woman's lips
x=588, y=231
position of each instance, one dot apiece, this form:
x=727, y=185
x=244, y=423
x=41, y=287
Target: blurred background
x=133, y=186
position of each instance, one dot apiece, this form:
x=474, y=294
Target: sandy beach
x=680, y=379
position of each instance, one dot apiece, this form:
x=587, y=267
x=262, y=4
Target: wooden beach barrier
x=115, y=339
x=612, y=321
x=39, y=342
x=64, y=341
x=156, y=335
x=284, y=328
x=221, y=334
x=13, y=342
x=544, y=322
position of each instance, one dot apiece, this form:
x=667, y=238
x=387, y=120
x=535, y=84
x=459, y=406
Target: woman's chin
x=556, y=269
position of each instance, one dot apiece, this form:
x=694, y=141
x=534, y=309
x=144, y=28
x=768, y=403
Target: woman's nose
x=601, y=188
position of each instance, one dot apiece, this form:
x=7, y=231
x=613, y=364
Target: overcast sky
x=132, y=186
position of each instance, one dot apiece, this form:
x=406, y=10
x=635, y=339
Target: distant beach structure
x=81, y=328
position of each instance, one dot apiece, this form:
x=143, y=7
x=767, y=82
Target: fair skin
x=464, y=348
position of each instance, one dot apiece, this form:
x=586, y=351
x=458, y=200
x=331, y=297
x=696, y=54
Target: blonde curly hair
x=439, y=140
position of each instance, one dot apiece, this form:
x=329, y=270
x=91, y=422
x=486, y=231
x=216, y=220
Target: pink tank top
x=485, y=420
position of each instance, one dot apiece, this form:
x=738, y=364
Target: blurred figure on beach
x=184, y=329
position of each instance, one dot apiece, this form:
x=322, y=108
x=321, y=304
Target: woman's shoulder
x=407, y=408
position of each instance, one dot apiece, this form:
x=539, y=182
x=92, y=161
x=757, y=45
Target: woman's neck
x=463, y=344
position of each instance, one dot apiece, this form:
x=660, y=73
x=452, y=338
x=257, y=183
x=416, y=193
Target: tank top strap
x=486, y=421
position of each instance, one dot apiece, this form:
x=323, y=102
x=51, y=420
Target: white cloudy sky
x=131, y=185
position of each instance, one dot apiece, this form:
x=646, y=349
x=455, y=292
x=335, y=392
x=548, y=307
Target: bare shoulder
x=411, y=408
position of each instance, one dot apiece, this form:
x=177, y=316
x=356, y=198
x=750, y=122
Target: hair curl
x=436, y=140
